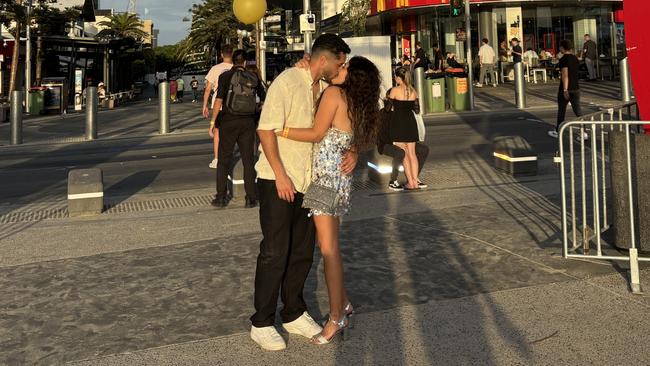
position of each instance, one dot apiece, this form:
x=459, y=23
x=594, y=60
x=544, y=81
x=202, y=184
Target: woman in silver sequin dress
x=347, y=118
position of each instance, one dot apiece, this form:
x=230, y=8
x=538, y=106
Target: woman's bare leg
x=327, y=231
x=414, y=163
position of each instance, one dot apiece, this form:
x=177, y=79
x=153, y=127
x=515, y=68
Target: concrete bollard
x=520, y=85
x=163, y=95
x=16, y=117
x=85, y=192
x=515, y=156
x=91, y=113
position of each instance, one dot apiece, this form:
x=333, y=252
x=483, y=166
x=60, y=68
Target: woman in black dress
x=403, y=102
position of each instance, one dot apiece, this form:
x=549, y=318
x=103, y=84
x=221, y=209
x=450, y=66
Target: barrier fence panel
x=590, y=140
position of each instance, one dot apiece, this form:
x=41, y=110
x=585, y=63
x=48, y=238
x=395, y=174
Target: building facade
x=539, y=24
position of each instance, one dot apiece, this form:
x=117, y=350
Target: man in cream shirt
x=284, y=173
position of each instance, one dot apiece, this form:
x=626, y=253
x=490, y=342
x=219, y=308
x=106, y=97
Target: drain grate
x=133, y=206
x=36, y=215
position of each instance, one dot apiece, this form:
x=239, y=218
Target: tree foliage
x=212, y=23
x=353, y=16
x=122, y=25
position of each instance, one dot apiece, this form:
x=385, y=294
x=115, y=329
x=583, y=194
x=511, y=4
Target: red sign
x=638, y=51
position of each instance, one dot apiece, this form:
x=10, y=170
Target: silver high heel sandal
x=349, y=312
x=341, y=325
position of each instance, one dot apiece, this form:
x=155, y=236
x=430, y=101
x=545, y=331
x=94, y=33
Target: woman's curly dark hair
x=361, y=88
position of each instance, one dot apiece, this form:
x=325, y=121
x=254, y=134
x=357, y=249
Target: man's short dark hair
x=328, y=42
x=514, y=40
x=485, y=40
x=239, y=57
x=226, y=50
x=435, y=45
x=566, y=45
x=418, y=44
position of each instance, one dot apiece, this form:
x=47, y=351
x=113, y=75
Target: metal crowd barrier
x=594, y=130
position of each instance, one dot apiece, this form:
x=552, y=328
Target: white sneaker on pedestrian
x=304, y=326
x=553, y=134
x=478, y=85
x=268, y=338
x=213, y=164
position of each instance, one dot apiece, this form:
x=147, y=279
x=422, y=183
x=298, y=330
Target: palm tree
x=212, y=23
x=123, y=25
x=13, y=10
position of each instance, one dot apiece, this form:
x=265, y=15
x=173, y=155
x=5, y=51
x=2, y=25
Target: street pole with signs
x=307, y=24
x=470, y=70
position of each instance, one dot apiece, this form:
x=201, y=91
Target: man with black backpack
x=237, y=92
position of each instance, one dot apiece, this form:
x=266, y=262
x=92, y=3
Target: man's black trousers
x=574, y=98
x=240, y=132
x=286, y=256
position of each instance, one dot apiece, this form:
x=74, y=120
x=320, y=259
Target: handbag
x=421, y=129
x=321, y=198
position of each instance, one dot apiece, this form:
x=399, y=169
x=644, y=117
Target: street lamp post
x=28, y=54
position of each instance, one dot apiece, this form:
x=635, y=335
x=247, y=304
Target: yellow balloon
x=249, y=11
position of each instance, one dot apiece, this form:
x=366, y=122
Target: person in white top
x=487, y=59
x=211, y=84
x=529, y=55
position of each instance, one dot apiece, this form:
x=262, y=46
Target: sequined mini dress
x=326, y=171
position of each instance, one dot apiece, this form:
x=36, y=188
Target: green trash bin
x=434, y=94
x=36, y=100
x=458, y=92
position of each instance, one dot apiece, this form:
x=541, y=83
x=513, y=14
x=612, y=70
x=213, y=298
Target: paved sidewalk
x=467, y=272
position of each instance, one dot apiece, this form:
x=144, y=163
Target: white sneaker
x=268, y=338
x=213, y=164
x=478, y=85
x=304, y=326
x=553, y=134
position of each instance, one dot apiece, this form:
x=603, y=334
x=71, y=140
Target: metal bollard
x=626, y=81
x=163, y=95
x=16, y=117
x=520, y=85
x=418, y=78
x=91, y=113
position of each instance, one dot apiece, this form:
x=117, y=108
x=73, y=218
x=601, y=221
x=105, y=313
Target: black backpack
x=241, y=98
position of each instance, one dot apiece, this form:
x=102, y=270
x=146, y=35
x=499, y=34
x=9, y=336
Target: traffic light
x=456, y=7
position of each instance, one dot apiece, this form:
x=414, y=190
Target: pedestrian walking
x=569, y=91
x=156, y=82
x=386, y=146
x=284, y=172
x=181, y=89
x=516, y=52
x=421, y=59
x=347, y=118
x=173, y=89
x=438, y=59
x=487, y=60
x=402, y=104
x=237, y=91
x=194, y=84
x=590, y=55
x=210, y=93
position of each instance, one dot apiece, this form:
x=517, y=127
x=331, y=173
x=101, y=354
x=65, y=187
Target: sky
x=167, y=16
